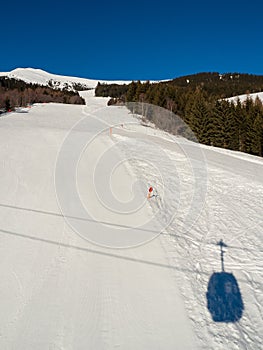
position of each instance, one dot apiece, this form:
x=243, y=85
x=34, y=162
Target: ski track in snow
x=62, y=292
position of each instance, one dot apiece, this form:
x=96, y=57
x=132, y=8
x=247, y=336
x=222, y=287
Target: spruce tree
x=256, y=141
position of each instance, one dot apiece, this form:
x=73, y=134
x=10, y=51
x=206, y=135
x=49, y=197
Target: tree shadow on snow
x=224, y=299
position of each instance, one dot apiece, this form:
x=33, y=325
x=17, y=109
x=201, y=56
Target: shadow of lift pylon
x=222, y=244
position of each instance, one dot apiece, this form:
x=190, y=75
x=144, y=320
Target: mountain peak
x=41, y=77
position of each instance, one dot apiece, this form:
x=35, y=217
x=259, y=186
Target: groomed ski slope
x=134, y=273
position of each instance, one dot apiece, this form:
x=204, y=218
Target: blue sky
x=132, y=39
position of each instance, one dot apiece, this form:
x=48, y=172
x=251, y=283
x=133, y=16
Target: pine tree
x=224, y=125
x=7, y=104
x=131, y=93
x=256, y=141
x=240, y=118
x=197, y=117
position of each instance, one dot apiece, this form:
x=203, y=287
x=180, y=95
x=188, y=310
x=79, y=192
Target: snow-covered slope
x=38, y=76
x=73, y=191
x=243, y=98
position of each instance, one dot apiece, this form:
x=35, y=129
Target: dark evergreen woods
x=200, y=100
x=17, y=93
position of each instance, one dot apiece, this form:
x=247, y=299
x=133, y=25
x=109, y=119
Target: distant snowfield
x=39, y=76
x=66, y=282
x=243, y=98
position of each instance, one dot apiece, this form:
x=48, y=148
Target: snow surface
x=66, y=282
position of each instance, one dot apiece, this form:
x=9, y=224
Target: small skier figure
x=151, y=193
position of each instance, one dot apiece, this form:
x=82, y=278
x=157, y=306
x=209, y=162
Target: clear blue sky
x=132, y=39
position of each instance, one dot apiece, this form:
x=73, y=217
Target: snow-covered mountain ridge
x=41, y=77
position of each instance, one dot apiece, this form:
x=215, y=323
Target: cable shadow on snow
x=99, y=252
x=177, y=236
x=224, y=299
x=106, y=253
x=37, y=211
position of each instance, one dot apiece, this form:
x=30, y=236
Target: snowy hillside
x=38, y=76
x=88, y=262
x=243, y=98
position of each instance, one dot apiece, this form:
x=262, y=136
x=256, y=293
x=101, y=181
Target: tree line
x=17, y=93
x=201, y=102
